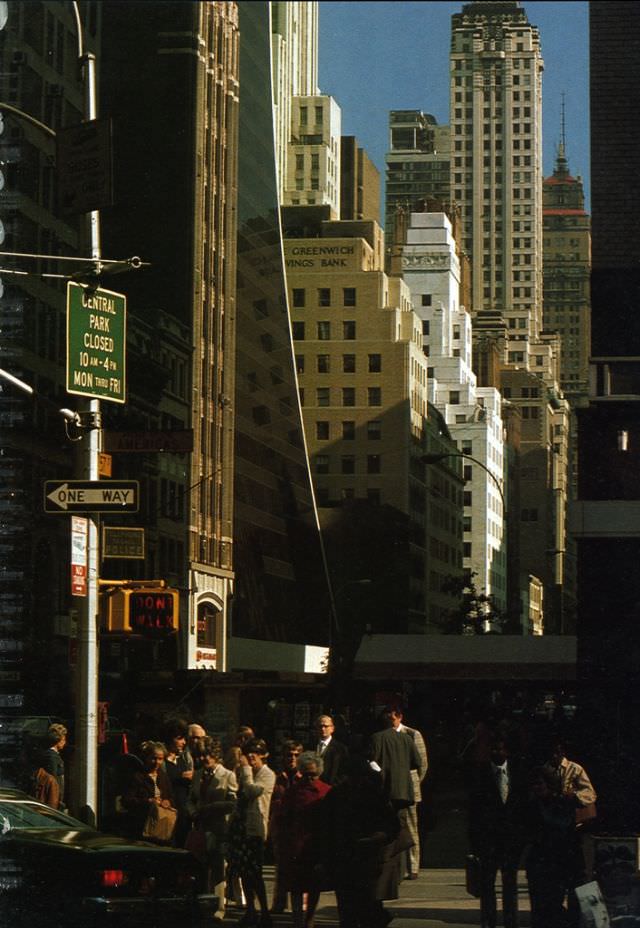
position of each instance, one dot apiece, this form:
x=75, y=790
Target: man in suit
x=334, y=754
x=497, y=801
x=393, y=752
x=417, y=776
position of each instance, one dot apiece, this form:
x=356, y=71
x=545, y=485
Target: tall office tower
x=566, y=272
x=496, y=162
x=431, y=270
x=192, y=276
x=39, y=76
x=606, y=518
x=363, y=378
x=249, y=517
x=359, y=182
x=294, y=50
x=417, y=166
x=313, y=158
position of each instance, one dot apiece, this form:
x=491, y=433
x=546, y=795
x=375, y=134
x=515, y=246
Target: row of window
x=372, y=494
x=323, y=297
x=348, y=430
x=323, y=331
x=348, y=396
x=373, y=464
x=323, y=363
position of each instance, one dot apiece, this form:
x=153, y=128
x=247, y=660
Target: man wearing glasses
x=334, y=754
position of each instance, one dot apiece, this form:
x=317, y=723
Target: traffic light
x=150, y=611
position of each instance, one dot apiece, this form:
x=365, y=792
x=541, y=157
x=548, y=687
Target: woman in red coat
x=300, y=839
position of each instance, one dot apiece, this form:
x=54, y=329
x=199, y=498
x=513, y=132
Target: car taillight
x=110, y=879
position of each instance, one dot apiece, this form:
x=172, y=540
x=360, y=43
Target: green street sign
x=96, y=340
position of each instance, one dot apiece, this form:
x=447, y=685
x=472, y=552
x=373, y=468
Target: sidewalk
x=437, y=899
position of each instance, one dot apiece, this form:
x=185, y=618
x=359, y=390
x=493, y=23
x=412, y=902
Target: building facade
x=566, y=273
x=417, y=166
x=431, y=269
x=363, y=381
x=496, y=162
x=313, y=156
x=359, y=182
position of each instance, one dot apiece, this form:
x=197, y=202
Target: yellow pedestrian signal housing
x=141, y=611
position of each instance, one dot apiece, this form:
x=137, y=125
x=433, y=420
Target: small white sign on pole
x=79, y=530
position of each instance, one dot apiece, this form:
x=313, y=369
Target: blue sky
x=379, y=56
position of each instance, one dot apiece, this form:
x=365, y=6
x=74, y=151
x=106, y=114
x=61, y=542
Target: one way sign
x=91, y=496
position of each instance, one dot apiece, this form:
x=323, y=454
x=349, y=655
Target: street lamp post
x=436, y=458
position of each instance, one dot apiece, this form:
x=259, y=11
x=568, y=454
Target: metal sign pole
x=87, y=682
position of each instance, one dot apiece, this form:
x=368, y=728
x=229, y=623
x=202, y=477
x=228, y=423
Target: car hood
x=86, y=840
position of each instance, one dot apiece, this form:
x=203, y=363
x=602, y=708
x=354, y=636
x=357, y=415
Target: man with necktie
x=334, y=754
x=497, y=798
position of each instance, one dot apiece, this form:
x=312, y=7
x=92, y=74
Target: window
x=373, y=495
x=349, y=296
x=298, y=298
x=466, y=549
x=300, y=363
x=323, y=363
x=298, y=331
x=375, y=363
x=454, y=397
x=315, y=161
x=322, y=396
x=425, y=326
x=322, y=430
x=374, y=430
x=318, y=115
x=348, y=396
x=374, y=396
x=324, y=296
x=467, y=472
x=322, y=495
x=348, y=331
x=348, y=430
x=348, y=464
x=322, y=463
x=299, y=162
x=467, y=498
x=529, y=515
x=324, y=331
x=303, y=115
x=348, y=493
x=374, y=463
x=426, y=299
x=349, y=363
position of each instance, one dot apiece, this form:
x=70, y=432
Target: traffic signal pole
x=86, y=716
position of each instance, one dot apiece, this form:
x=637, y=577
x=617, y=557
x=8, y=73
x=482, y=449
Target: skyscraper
x=496, y=162
x=567, y=264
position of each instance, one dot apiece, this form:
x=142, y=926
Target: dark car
x=56, y=871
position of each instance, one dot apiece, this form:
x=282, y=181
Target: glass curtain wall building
x=281, y=592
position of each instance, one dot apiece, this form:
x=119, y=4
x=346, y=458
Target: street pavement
x=437, y=899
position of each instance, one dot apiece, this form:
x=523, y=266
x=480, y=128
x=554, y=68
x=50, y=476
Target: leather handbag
x=160, y=824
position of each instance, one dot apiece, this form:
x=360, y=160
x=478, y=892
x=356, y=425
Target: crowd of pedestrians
x=343, y=818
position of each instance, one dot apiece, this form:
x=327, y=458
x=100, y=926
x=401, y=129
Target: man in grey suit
x=417, y=776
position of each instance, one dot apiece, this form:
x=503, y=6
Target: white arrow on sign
x=65, y=495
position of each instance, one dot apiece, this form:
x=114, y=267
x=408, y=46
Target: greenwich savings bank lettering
x=328, y=255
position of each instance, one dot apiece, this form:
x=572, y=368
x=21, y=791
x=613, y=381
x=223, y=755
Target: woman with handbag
x=148, y=800
x=211, y=801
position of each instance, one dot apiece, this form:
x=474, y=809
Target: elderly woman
x=291, y=751
x=299, y=837
x=249, y=828
x=148, y=790
x=211, y=801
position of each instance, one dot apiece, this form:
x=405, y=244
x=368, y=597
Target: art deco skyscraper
x=496, y=165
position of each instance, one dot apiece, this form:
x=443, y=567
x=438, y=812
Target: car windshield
x=25, y=814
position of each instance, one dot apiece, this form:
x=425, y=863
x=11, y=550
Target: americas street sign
x=62, y=496
x=96, y=341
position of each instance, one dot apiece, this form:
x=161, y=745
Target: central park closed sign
x=96, y=339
